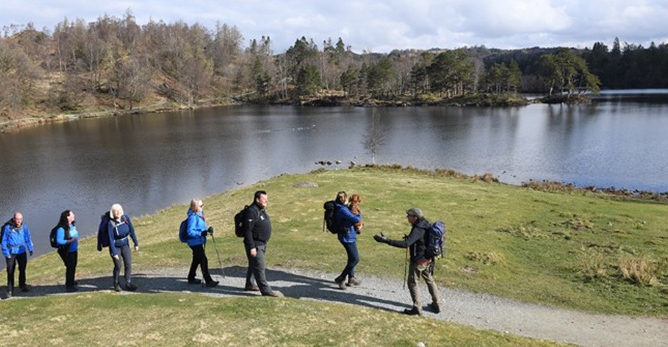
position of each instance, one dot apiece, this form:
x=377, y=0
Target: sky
x=382, y=26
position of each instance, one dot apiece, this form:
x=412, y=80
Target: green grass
x=574, y=250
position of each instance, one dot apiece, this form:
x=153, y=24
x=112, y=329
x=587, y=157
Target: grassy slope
x=505, y=240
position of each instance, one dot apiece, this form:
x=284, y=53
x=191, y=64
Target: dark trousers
x=70, y=261
x=22, y=260
x=256, y=269
x=353, y=259
x=126, y=256
x=199, y=259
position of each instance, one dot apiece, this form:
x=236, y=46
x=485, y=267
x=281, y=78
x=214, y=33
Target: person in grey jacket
x=16, y=243
x=420, y=264
x=119, y=229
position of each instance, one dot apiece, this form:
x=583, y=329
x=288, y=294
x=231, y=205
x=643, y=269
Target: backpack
x=328, y=219
x=52, y=237
x=102, y=235
x=239, y=222
x=435, y=240
x=2, y=228
x=183, y=231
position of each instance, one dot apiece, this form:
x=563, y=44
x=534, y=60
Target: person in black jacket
x=420, y=265
x=257, y=232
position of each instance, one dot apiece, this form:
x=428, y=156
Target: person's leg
x=71, y=268
x=11, y=267
x=126, y=254
x=197, y=251
x=258, y=267
x=340, y=280
x=353, y=260
x=250, y=279
x=22, y=259
x=117, y=271
x=205, y=267
x=413, y=274
x=433, y=288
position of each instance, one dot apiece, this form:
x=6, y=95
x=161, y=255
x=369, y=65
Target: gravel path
x=478, y=310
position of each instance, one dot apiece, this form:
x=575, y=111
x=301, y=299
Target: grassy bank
x=575, y=250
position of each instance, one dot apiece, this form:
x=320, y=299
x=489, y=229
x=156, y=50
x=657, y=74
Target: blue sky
x=381, y=26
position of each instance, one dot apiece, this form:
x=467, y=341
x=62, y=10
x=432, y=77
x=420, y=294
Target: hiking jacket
x=257, y=226
x=61, y=241
x=196, y=224
x=16, y=240
x=347, y=220
x=119, y=232
x=415, y=241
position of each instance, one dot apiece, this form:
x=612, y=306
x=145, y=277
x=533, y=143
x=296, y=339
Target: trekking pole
x=222, y=272
x=405, y=269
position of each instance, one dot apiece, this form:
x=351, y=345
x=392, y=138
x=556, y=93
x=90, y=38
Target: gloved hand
x=381, y=238
x=204, y=233
x=210, y=230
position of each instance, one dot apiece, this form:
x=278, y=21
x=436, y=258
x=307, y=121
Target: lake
x=151, y=161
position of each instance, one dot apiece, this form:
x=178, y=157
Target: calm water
x=148, y=162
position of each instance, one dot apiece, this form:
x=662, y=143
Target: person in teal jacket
x=197, y=230
x=16, y=243
x=67, y=238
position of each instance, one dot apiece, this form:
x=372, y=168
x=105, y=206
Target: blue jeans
x=353, y=259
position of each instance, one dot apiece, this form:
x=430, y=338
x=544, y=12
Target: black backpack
x=435, y=240
x=2, y=228
x=328, y=219
x=239, y=220
x=52, y=237
x=102, y=235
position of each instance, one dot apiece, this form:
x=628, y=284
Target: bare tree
x=375, y=137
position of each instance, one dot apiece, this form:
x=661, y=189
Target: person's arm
x=28, y=239
x=132, y=232
x=249, y=225
x=416, y=234
x=5, y=239
x=111, y=233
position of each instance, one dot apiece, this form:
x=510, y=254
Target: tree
x=568, y=72
x=375, y=137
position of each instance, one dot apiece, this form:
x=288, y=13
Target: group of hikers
x=256, y=231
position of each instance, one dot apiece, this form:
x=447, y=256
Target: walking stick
x=405, y=269
x=222, y=272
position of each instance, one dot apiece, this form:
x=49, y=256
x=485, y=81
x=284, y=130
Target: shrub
x=639, y=270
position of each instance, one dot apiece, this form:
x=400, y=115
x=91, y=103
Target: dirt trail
x=478, y=310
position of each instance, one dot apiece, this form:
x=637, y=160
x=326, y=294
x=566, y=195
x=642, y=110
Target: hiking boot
x=9, y=293
x=434, y=307
x=252, y=288
x=131, y=287
x=117, y=287
x=273, y=293
x=71, y=289
x=412, y=311
x=212, y=284
x=352, y=281
x=195, y=281
x=340, y=281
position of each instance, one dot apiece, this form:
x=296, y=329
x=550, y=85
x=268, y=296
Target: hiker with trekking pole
x=420, y=262
x=196, y=231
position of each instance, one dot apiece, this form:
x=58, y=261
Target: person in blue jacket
x=197, y=230
x=346, y=220
x=119, y=229
x=16, y=242
x=67, y=238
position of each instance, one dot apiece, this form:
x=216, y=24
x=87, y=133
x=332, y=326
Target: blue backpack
x=183, y=231
x=435, y=240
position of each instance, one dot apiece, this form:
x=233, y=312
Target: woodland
x=116, y=64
